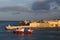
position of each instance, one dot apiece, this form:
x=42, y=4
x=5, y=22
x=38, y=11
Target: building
x=35, y=24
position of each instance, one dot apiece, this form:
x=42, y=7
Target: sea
x=38, y=34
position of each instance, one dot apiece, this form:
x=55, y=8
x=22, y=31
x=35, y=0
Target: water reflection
x=22, y=37
x=25, y=37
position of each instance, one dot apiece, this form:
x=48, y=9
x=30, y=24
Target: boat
x=17, y=31
x=22, y=31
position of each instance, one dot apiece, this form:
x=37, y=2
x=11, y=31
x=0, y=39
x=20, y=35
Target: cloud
x=40, y=5
x=46, y=4
x=21, y=9
x=5, y=3
x=53, y=14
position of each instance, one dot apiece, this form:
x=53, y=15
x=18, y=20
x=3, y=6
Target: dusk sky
x=29, y=9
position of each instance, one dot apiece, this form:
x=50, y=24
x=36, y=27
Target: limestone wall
x=34, y=24
x=44, y=25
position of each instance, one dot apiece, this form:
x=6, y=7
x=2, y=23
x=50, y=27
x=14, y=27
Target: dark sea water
x=38, y=34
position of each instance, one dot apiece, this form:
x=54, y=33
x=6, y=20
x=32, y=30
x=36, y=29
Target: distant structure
x=37, y=24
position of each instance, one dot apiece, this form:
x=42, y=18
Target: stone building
x=35, y=24
x=58, y=23
x=44, y=25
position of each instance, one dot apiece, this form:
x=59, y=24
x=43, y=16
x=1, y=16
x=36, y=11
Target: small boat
x=30, y=31
x=21, y=31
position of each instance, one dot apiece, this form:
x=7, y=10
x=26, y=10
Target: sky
x=4, y=3
x=29, y=9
